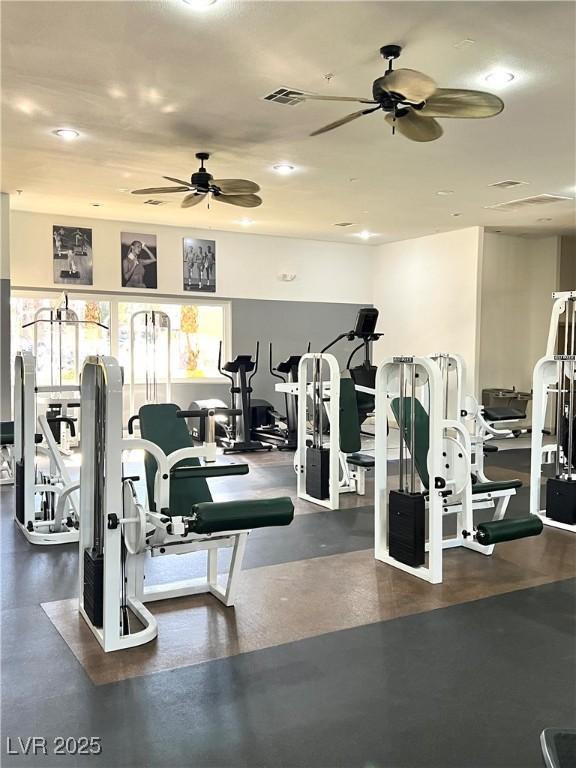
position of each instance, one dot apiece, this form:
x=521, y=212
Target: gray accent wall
x=289, y=325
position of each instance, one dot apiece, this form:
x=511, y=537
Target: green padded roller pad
x=240, y=515
x=496, y=485
x=6, y=433
x=209, y=470
x=161, y=425
x=421, y=433
x=510, y=529
x=350, y=440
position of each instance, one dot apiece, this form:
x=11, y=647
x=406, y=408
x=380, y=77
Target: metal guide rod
x=570, y=413
x=401, y=426
x=320, y=404
x=412, y=429
x=99, y=468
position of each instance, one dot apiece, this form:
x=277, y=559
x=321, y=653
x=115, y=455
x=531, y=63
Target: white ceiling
x=148, y=84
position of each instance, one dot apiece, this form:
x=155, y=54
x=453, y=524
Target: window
x=55, y=346
x=195, y=334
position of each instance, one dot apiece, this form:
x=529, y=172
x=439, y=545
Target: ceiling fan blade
x=344, y=120
x=177, y=181
x=192, y=199
x=236, y=186
x=454, y=102
x=244, y=201
x=159, y=190
x=412, y=85
x=318, y=97
x=416, y=127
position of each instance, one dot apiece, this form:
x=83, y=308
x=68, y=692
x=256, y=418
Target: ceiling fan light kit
x=202, y=186
x=412, y=101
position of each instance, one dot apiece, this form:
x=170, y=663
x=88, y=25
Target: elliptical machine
x=273, y=428
x=363, y=375
x=233, y=426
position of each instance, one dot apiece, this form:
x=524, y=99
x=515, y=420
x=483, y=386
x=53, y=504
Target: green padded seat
x=361, y=460
x=422, y=447
x=161, y=425
x=189, y=491
x=496, y=485
x=237, y=515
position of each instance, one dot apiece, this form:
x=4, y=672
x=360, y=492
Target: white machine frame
x=554, y=374
x=143, y=531
x=35, y=529
x=449, y=468
x=344, y=478
x=154, y=322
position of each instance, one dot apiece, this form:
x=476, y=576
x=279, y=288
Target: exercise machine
x=6, y=452
x=364, y=374
x=58, y=328
x=117, y=532
x=233, y=424
x=46, y=509
x=155, y=326
x=434, y=478
x=328, y=461
x=272, y=427
x=555, y=374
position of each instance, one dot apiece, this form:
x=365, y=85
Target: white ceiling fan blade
x=343, y=121
x=319, y=97
x=192, y=199
x=412, y=85
x=159, y=190
x=456, y=102
x=177, y=181
x=415, y=127
x=236, y=186
x=244, y=201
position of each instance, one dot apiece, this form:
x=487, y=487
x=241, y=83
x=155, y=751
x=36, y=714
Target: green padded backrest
x=350, y=441
x=421, y=433
x=160, y=424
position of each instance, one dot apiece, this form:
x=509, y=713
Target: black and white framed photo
x=72, y=255
x=139, y=260
x=199, y=265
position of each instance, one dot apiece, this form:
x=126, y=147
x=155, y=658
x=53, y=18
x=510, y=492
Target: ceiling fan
x=412, y=101
x=232, y=191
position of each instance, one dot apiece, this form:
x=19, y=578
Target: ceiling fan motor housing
x=201, y=180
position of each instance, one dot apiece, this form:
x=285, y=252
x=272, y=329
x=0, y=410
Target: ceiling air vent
x=507, y=184
x=285, y=96
x=527, y=202
x=155, y=202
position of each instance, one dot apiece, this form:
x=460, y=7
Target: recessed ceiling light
x=499, y=77
x=364, y=235
x=444, y=192
x=246, y=222
x=68, y=134
x=284, y=169
x=455, y=214
x=200, y=5
x=123, y=189
x=543, y=219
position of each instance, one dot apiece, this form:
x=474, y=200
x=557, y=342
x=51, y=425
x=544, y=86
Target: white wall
x=518, y=277
x=427, y=292
x=247, y=265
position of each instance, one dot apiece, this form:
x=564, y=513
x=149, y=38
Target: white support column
x=5, y=351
